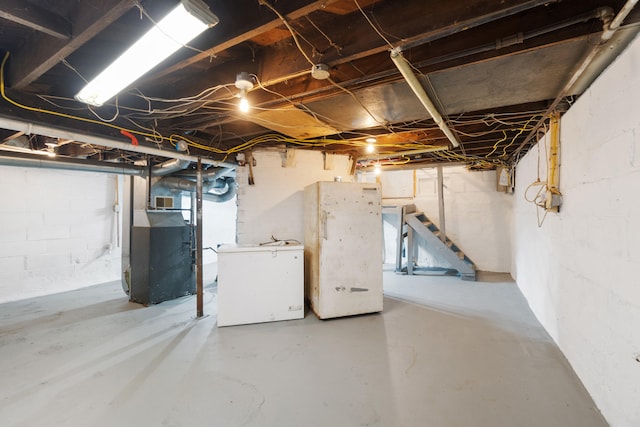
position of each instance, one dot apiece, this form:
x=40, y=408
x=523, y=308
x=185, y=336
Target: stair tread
x=433, y=229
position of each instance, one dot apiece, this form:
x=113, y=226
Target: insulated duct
x=405, y=69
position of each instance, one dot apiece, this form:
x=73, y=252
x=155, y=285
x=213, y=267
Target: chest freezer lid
x=229, y=248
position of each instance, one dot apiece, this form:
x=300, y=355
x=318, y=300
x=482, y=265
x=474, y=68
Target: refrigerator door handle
x=323, y=220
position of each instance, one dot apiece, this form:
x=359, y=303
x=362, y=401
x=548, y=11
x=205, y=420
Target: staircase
x=417, y=222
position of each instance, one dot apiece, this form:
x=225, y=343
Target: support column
x=443, y=232
x=199, y=296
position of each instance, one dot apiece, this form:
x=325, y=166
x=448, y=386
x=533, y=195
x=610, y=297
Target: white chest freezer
x=260, y=284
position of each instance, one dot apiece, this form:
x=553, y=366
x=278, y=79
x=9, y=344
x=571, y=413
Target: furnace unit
x=161, y=257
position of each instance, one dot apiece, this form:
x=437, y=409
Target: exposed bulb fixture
x=320, y=71
x=244, y=104
x=370, y=144
x=377, y=169
x=179, y=27
x=244, y=82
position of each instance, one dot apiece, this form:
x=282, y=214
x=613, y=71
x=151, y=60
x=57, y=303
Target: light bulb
x=244, y=105
x=371, y=148
x=371, y=140
x=377, y=169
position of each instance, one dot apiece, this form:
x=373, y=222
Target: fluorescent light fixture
x=180, y=26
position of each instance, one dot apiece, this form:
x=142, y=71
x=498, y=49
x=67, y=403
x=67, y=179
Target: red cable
x=134, y=140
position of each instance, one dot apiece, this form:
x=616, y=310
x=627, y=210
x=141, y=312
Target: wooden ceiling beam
x=37, y=18
x=265, y=25
x=359, y=41
x=41, y=51
x=405, y=19
x=306, y=89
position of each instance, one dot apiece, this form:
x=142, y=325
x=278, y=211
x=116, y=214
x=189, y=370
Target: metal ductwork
x=169, y=167
x=229, y=189
x=8, y=158
x=218, y=190
x=210, y=174
x=173, y=165
x=54, y=132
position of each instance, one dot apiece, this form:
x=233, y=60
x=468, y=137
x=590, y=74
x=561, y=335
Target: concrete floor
x=443, y=353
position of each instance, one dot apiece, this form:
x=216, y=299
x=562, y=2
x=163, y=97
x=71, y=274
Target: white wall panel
x=477, y=217
x=57, y=231
x=579, y=271
x=274, y=205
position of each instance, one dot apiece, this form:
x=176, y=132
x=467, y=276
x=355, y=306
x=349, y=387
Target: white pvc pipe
x=413, y=82
x=617, y=21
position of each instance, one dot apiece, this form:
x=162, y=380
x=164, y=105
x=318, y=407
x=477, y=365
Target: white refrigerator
x=260, y=284
x=343, y=248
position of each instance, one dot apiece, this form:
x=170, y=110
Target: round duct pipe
x=33, y=161
x=218, y=190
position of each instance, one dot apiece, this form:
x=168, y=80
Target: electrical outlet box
x=553, y=201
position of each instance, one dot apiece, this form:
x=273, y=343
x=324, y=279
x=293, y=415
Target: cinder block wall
x=579, y=271
x=477, y=217
x=57, y=231
x=273, y=205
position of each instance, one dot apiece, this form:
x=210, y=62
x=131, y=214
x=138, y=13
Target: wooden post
x=199, y=296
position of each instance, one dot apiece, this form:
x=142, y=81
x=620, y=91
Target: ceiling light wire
x=331, y=42
x=364, y=107
x=115, y=116
x=315, y=115
x=153, y=21
x=372, y=25
x=440, y=106
x=72, y=68
x=291, y=30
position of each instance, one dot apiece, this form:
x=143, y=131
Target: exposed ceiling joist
x=242, y=37
x=41, y=51
x=37, y=18
x=492, y=67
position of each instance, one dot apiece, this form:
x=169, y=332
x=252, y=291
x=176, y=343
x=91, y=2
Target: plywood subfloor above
x=292, y=122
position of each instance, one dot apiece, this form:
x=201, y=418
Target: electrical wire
x=115, y=116
x=146, y=14
x=372, y=25
x=495, y=146
x=291, y=30
x=84, y=119
x=331, y=43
